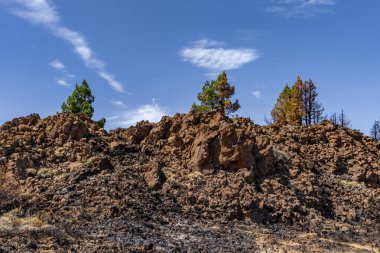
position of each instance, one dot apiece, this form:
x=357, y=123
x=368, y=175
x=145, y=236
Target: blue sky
x=144, y=59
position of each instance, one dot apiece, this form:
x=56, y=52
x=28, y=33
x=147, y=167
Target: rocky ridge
x=189, y=183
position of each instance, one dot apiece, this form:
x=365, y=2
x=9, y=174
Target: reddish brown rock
x=147, y=184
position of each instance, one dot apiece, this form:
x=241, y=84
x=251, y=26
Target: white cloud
x=118, y=103
x=42, y=12
x=57, y=64
x=211, y=55
x=212, y=75
x=321, y=2
x=37, y=12
x=257, y=94
x=208, y=43
x=112, y=118
x=302, y=8
x=111, y=80
x=80, y=46
x=151, y=112
x=62, y=82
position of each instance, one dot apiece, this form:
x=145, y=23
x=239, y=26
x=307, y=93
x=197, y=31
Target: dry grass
x=13, y=223
x=311, y=242
x=27, y=233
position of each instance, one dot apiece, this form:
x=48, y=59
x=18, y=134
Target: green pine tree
x=80, y=100
x=101, y=122
x=215, y=96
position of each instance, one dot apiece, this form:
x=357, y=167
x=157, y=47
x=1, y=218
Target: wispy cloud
x=112, y=118
x=35, y=11
x=57, y=64
x=66, y=77
x=301, y=8
x=213, y=55
x=257, y=94
x=212, y=75
x=208, y=43
x=43, y=13
x=62, y=82
x=111, y=80
x=151, y=112
x=245, y=35
x=118, y=103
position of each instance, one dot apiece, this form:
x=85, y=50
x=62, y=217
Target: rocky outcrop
x=92, y=186
x=233, y=169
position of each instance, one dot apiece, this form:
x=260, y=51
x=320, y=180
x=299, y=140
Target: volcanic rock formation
x=189, y=183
